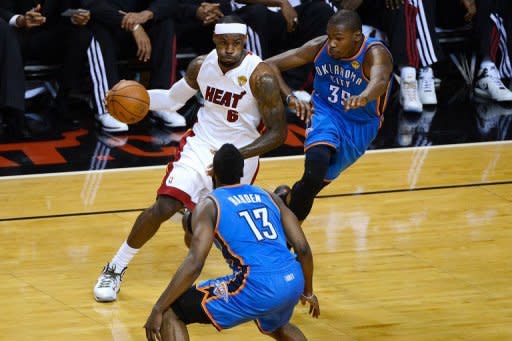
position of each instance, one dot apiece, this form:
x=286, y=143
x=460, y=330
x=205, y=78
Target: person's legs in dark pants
x=162, y=35
x=77, y=41
x=414, y=45
x=102, y=53
x=64, y=44
x=163, y=66
x=12, y=82
x=313, y=18
x=259, y=31
x=312, y=22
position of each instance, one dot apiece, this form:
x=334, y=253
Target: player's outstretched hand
x=303, y=109
x=314, y=306
x=153, y=325
x=355, y=102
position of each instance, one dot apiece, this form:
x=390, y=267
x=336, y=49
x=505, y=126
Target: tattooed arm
x=265, y=88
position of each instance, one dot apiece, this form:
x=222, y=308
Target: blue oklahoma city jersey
x=348, y=132
x=338, y=79
x=267, y=280
x=249, y=230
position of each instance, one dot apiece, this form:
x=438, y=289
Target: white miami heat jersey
x=230, y=113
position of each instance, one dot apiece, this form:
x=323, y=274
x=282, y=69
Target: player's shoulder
x=194, y=66
x=317, y=42
x=196, y=63
x=377, y=50
x=263, y=77
x=261, y=69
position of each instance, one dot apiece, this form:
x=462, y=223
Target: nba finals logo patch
x=242, y=80
x=221, y=290
x=355, y=64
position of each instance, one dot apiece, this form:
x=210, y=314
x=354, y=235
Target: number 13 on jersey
x=266, y=229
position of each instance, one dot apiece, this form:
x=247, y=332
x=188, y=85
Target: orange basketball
x=128, y=102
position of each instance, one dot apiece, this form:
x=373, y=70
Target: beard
x=228, y=64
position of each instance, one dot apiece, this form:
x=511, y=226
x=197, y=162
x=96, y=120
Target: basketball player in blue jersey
x=250, y=226
x=351, y=87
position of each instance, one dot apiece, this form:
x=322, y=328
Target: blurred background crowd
x=73, y=51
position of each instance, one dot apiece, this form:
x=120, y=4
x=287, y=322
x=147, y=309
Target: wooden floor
x=423, y=253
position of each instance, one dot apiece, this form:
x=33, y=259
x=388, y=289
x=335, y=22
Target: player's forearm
x=305, y=258
x=271, y=139
x=284, y=89
x=185, y=276
x=376, y=88
x=172, y=99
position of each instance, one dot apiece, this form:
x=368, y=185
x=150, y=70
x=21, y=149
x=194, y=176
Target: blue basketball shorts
x=348, y=135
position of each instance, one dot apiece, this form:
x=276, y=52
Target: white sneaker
x=409, y=97
x=489, y=85
x=426, y=87
x=170, y=119
x=110, y=124
x=109, y=284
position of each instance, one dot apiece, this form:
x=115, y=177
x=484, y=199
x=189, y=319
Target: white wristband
x=135, y=28
x=307, y=298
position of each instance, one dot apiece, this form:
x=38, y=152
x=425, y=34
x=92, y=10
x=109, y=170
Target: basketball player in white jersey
x=240, y=92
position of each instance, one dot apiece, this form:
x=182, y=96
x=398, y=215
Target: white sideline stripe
x=268, y=159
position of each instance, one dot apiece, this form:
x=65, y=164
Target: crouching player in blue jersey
x=250, y=226
x=351, y=87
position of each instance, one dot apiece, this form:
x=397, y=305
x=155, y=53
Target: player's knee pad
x=316, y=166
x=305, y=190
x=312, y=183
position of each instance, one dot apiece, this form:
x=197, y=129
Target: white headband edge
x=231, y=28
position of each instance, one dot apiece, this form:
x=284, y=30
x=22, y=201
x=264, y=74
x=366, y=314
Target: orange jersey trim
x=320, y=51
x=318, y=144
x=358, y=52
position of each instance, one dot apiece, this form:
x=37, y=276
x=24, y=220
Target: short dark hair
x=228, y=164
x=347, y=18
x=230, y=19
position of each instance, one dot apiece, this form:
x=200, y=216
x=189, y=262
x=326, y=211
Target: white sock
x=123, y=256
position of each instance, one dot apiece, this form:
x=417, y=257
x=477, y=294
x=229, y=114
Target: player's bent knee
x=169, y=316
x=288, y=332
x=168, y=320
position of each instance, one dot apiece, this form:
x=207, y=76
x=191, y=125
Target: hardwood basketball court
x=409, y=244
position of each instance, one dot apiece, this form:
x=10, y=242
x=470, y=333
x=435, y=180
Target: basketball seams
x=133, y=98
x=122, y=114
x=127, y=104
